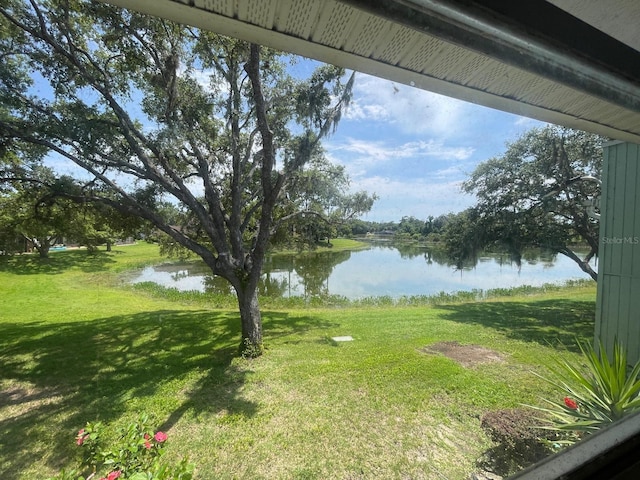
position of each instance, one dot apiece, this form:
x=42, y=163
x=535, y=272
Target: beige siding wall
x=618, y=304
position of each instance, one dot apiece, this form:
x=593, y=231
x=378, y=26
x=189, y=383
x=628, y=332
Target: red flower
x=113, y=475
x=147, y=444
x=572, y=404
x=147, y=436
x=160, y=437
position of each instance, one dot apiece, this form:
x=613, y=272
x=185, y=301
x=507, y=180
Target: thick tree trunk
x=251, y=345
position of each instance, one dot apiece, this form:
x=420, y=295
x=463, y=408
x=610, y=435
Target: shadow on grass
x=281, y=324
x=56, y=263
x=547, y=322
x=275, y=325
x=88, y=371
x=59, y=376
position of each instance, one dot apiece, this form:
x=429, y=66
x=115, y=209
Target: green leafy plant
x=134, y=456
x=607, y=391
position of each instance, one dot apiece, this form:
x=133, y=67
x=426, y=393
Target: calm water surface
x=380, y=270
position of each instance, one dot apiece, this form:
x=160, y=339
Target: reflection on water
x=391, y=270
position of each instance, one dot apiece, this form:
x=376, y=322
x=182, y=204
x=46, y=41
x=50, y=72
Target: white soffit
x=339, y=33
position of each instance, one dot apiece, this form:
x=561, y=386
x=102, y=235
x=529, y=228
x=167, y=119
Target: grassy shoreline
x=77, y=346
x=337, y=245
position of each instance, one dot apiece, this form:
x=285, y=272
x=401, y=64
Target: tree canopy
x=542, y=192
x=146, y=111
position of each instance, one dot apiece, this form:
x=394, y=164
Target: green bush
x=134, y=456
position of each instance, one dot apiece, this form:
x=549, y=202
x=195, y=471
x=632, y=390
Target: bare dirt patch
x=466, y=355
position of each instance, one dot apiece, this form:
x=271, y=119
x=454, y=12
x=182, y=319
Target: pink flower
x=113, y=475
x=147, y=444
x=160, y=437
x=81, y=437
x=147, y=436
x=572, y=404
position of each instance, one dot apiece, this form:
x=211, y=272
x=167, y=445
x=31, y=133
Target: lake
x=381, y=270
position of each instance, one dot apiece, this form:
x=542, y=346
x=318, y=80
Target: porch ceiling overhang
x=570, y=62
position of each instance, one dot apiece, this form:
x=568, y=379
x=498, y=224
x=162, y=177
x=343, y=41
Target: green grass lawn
x=77, y=344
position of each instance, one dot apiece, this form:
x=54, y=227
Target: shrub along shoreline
x=79, y=345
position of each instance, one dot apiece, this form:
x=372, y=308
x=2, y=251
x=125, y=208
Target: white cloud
x=373, y=152
x=359, y=111
x=419, y=198
x=411, y=110
x=454, y=171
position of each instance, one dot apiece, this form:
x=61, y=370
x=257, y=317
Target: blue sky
x=413, y=148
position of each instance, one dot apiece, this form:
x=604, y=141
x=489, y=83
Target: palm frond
x=603, y=393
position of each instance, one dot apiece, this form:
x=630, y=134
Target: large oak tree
x=150, y=110
x=542, y=192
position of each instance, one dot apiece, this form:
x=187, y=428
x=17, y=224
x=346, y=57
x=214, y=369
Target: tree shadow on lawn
x=275, y=325
x=547, y=322
x=59, y=376
x=282, y=324
x=56, y=263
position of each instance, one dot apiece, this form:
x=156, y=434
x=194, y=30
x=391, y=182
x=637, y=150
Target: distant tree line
x=408, y=228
